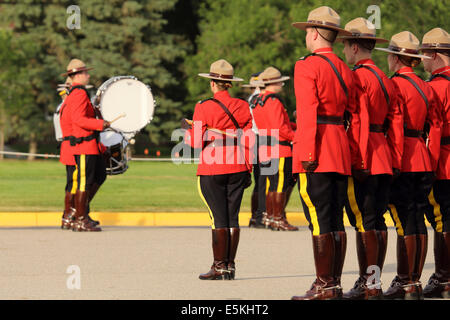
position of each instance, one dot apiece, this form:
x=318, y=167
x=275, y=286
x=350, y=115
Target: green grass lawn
x=145, y=187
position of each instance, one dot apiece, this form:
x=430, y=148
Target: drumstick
x=120, y=116
x=190, y=122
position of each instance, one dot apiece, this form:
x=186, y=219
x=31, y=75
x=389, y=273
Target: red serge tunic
x=66, y=151
x=441, y=87
x=319, y=92
x=416, y=157
x=380, y=154
x=84, y=123
x=220, y=156
x=272, y=116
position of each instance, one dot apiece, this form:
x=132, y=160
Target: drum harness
x=74, y=140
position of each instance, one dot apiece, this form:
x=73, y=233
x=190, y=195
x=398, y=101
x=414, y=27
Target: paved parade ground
x=164, y=263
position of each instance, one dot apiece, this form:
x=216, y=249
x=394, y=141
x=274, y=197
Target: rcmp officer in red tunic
x=369, y=194
x=275, y=149
x=436, y=46
x=224, y=169
x=324, y=152
x=81, y=116
x=409, y=192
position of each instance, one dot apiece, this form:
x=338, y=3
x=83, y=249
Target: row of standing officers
x=361, y=141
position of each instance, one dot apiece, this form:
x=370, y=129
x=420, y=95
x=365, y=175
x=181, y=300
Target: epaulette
x=202, y=101
x=305, y=57
x=273, y=96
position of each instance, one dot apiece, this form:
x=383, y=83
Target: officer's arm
x=194, y=136
x=434, y=118
x=282, y=118
x=395, y=125
x=80, y=112
x=356, y=95
x=307, y=104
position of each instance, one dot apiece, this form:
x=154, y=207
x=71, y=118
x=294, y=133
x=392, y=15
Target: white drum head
x=110, y=138
x=129, y=96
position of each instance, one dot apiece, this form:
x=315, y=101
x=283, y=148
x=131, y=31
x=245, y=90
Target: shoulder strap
x=415, y=86
x=225, y=109
x=386, y=95
x=439, y=75
x=272, y=95
x=254, y=101
x=79, y=87
x=338, y=75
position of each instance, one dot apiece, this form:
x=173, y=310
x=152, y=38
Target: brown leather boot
x=325, y=286
x=219, y=270
x=69, y=211
x=278, y=201
x=92, y=192
x=268, y=218
x=421, y=254
x=233, y=234
x=286, y=226
x=367, y=251
x=382, y=248
x=81, y=223
x=402, y=287
x=340, y=248
x=435, y=286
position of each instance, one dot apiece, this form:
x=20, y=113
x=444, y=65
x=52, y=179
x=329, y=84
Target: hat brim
x=208, y=76
x=304, y=25
x=282, y=79
x=420, y=56
x=81, y=70
x=377, y=40
x=434, y=48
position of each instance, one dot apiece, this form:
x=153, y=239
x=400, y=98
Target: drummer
x=85, y=127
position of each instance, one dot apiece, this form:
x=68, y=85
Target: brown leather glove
x=185, y=124
x=106, y=124
x=310, y=166
x=360, y=175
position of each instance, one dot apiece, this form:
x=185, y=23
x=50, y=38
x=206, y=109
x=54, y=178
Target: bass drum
x=117, y=146
x=128, y=97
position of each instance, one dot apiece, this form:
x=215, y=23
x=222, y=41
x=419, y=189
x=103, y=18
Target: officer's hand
x=310, y=166
x=106, y=124
x=185, y=124
x=360, y=175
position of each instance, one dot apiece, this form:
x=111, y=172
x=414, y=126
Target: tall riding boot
x=69, y=211
x=434, y=287
x=325, y=286
x=268, y=218
x=367, y=250
x=382, y=248
x=421, y=254
x=446, y=265
x=81, y=222
x=220, y=242
x=233, y=234
x=92, y=192
x=256, y=221
x=279, y=220
x=285, y=225
x=340, y=248
x=402, y=286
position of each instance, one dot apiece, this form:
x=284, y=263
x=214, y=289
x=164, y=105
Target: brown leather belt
x=376, y=128
x=413, y=133
x=445, y=140
x=330, y=120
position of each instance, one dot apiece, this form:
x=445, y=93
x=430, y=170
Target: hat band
x=403, y=50
x=270, y=79
x=76, y=70
x=326, y=23
x=218, y=75
x=435, y=45
x=355, y=34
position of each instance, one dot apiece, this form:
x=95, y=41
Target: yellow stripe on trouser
x=280, y=175
x=354, y=205
x=83, y=173
x=267, y=185
x=398, y=224
x=436, y=212
x=206, y=203
x=74, y=181
x=309, y=204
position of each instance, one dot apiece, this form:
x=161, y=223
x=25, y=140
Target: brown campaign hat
x=404, y=43
x=74, y=66
x=322, y=17
x=361, y=28
x=436, y=39
x=221, y=70
x=254, y=82
x=272, y=75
